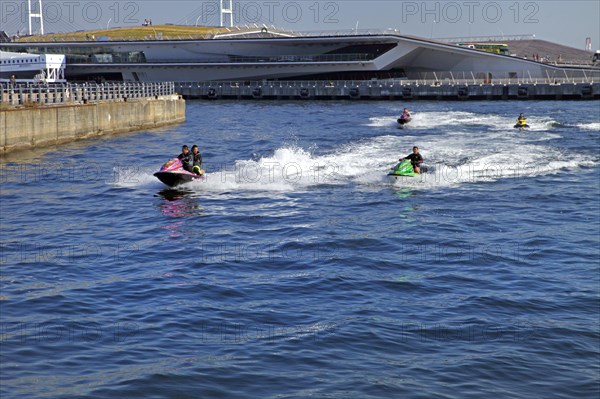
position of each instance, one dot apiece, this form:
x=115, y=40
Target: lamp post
x=432, y=25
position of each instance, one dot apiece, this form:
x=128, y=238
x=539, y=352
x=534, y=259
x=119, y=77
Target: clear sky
x=565, y=22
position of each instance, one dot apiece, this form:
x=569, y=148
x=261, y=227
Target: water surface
x=297, y=269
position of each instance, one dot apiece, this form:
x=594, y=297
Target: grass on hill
x=151, y=32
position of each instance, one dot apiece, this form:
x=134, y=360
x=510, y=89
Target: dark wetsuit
x=196, y=161
x=415, y=159
x=404, y=119
x=186, y=161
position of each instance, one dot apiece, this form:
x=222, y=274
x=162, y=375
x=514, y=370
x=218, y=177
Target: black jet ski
x=402, y=122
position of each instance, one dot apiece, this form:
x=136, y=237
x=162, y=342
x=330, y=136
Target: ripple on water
x=297, y=269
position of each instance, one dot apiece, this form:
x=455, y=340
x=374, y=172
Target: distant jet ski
x=521, y=123
x=172, y=174
x=403, y=121
x=404, y=118
x=402, y=169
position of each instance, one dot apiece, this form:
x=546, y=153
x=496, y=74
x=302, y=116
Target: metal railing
x=573, y=75
x=476, y=39
x=71, y=93
x=573, y=62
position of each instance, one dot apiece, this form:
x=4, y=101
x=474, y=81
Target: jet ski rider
x=405, y=117
x=196, y=160
x=186, y=158
x=415, y=159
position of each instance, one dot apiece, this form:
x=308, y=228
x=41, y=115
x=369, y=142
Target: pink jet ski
x=173, y=174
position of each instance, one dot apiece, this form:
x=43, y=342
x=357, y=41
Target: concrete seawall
x=30, y=126
x=390, y=90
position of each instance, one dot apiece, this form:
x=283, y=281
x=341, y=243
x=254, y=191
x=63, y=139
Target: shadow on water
x=178, y=206
x=179, y=203
x=406, y=211
x=404, y=193
x=173, y=194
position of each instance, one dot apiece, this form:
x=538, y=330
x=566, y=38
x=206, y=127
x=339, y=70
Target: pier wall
x=391, y=90
x=37, y=125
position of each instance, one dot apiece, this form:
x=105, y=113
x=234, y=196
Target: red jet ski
x=173, y=174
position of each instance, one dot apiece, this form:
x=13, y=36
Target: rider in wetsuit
x=521, y=121
x=186, y=158
x=405, y=118
x=415, y=159
x=196, y=160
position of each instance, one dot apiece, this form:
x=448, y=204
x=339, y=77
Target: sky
x=564, y=22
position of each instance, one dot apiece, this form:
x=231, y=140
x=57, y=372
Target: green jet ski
x=403, y=168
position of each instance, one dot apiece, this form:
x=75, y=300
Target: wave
x=425, y=120
x=594, y=126
x=432, y=120
x=455, y=158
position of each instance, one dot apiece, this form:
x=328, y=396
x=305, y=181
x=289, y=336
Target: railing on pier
x=70, y=93
x=483, y=39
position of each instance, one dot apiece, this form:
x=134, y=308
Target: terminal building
x=239, y=54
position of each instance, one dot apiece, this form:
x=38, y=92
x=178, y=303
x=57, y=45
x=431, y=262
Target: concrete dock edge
x=35, y=126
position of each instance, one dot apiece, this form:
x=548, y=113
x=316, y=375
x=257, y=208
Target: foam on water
x=287, y=168
x=425, y=120
x=451, y=160
x=542, y=123
x=456, y=156
x=595, y=126
x=129, y=177
x=429, y=120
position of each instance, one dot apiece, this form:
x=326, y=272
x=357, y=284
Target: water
x=297, y=269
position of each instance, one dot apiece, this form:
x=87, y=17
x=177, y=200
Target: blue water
x=297, y=269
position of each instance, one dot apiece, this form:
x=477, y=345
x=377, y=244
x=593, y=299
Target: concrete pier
x=391, y=90
x=32, y=124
